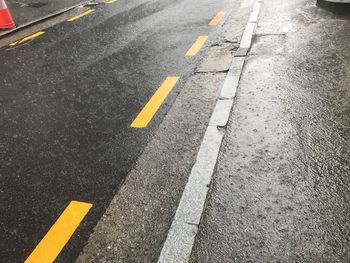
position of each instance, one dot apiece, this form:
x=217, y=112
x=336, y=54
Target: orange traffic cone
x=6, y=20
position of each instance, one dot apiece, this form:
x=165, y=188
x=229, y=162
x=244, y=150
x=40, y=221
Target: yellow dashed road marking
x=217, y=18
x=81, y=15
x=111, y=1
x=196, y=46
x=60, y=233
x=27, y=38
x=148, y=111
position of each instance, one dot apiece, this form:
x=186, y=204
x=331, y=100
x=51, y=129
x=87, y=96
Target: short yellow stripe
x=60, y=233
x=27, y=38
x=217, y=19
x=81, y=15
x=14, y=43
x=111, y=1
x=147, y=113
x=196, y=46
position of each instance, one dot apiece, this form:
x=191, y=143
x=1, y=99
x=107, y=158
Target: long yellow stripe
x=217, y=18
x=27, y=38
x=147, y=113
x=196, y=46
x=111, y=1
x=60, y=233
x=82, y=14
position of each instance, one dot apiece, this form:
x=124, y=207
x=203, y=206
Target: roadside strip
x=39, y=20
x=37, y=34
x=47, y=17
x=179, y=242
x=59, y=234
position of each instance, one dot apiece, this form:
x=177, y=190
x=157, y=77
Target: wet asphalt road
x=25, y=11
x=67, y=101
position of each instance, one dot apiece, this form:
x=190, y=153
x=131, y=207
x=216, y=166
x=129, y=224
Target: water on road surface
x=68, y=98
x=281, y=192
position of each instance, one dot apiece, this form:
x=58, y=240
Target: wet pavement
x=68, y=97
x=136, y=223
x=281, y=192
x=67, y=101
x=26, y=11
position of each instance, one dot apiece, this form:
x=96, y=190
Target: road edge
x=41, y=19
x=181, y=235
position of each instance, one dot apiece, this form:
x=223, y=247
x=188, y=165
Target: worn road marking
x=217, y=18
x=27, y=38
x=111, y=1
x=196, y=46
x=148, y=111
x=81, y=15
x=60, y=233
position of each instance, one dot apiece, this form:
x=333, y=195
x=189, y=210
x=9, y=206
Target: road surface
x=69, y=97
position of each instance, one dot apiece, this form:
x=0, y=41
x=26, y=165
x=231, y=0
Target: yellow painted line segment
x=196, y=46
x=81, y=15
x=111, y=1
x=217, y=18
x=152, y=106
x=14, y=43
x=27, y=38
x=60, y=233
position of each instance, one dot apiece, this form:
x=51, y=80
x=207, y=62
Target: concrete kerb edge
x=255, y=14
x=41, y=19
x=181, y=235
